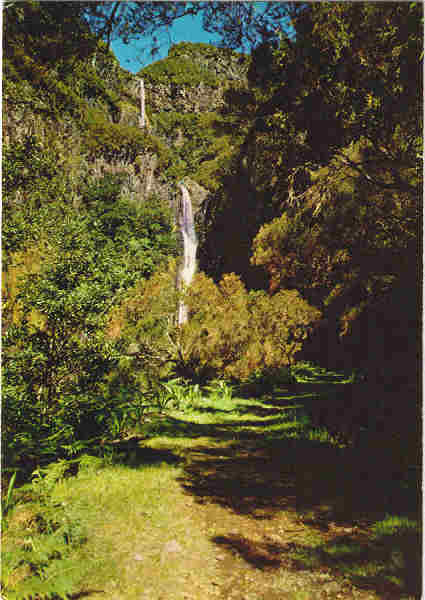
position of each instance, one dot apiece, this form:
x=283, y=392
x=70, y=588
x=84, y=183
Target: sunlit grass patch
x=306, y=372
x=104, y=530
x=387, y=554
x=178, y=444
x=394, y=524
x=138, y=528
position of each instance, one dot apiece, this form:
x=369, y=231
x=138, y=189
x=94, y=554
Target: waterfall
x=190, y=244
x=142, y=117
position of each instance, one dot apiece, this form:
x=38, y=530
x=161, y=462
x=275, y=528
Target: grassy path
x=242, y=501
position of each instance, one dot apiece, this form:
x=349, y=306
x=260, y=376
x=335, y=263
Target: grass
x=227, y=497
x=134, y=515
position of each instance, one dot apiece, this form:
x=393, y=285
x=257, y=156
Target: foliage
x=329, y=176
x=219, y=390
x=9, y=500
x=236, y=332
x=203, y=52
x=44, y=33
x=238, y=26
x=60, y=77
x=92, y=87
x=117, y=142
x=66, y=69
x=32, y=183
x=350, y=256
x=180, y=395
x=360, y=236
x=201, y=145
x=230, y=332
x=179, y=71
x=141, y=235
x=58, y=362
x=142, y=323
x=55, y=357
x=26, y=165
x=189, y=65
x=41, y=536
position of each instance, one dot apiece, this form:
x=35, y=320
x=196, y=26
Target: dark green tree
x=350, y=176
x=239, y=24
x=58, y=357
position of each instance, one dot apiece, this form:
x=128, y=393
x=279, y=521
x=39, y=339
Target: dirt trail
x=251, y=531
x=250, y=515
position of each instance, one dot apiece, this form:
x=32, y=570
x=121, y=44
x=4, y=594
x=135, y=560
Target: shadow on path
x=338, y=491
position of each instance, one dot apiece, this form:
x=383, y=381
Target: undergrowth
x=101, y=524
x=42, y=538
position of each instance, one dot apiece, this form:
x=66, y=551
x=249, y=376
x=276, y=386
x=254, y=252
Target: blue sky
x=135, y=55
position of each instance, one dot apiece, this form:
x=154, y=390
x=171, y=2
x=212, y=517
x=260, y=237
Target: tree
x=332, y=165
x=239, y=24
x=238, y=334
x=230, y=333
x=58, y=360
x=55, y=356
x=53, y=34
x=353, y=76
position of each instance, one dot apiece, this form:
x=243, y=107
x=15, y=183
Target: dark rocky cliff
x=185, y=101
x=193, y=78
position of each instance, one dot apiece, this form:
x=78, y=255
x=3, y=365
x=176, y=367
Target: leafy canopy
x=230, y=333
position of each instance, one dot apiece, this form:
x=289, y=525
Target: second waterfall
x=190, y=245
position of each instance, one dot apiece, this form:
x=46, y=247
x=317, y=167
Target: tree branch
x=399, y=184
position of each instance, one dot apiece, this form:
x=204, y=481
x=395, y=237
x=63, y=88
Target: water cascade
x=142, y=117
x=190, y=245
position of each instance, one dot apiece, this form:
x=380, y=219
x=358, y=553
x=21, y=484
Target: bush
x=55, y=356
x=117, y=142
x=238, y=333
x=112, y=141
x=40, y=548
x=181, y=71
x=231, y=332
x=59, y=365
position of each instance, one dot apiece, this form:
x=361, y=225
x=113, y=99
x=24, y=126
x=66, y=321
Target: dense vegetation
x=330, y=178
x=308, y=154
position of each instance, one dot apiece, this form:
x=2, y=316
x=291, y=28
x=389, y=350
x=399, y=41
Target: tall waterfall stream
x=190, y=245
x=142, y=116
x=186, y=224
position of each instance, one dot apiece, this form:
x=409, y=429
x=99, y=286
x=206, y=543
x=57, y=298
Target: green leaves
x=243, y=332
x=181, y=71
x=57, y=356
x=38, y=551
x=230, y=333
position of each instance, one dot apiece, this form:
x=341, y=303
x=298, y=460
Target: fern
x=38, y=553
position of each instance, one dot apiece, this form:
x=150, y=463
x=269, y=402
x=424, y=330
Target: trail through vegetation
x=147, y=458
x=241, y=498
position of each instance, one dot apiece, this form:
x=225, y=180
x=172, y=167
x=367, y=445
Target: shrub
x=58, y=362
x=237, y=332
x=180, y=70
x=118, y=142
x=54, y=355
x=231, y=332
x=40, y=548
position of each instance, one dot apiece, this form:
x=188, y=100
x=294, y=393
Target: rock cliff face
x=193, y=78
x=184, y=95
x=91, y=119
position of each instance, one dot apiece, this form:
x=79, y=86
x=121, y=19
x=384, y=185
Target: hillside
x=265, y=355
x=308, y=185
x=96, y=109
